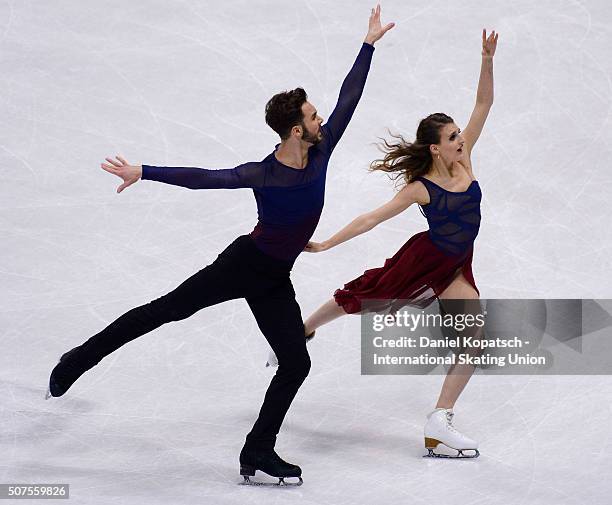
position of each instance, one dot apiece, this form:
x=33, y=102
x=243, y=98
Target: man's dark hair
x=284, y=111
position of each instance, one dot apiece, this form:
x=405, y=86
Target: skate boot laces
x=449, y=421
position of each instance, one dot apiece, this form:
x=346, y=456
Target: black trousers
x=240, y=271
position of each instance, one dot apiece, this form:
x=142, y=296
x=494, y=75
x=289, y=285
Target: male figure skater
x=289, y=186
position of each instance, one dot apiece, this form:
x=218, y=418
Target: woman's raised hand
x=489, y=44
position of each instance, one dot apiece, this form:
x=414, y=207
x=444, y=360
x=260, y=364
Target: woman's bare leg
x=458, y=375
x=327, y=312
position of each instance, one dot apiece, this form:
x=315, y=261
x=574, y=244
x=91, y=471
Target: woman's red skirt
x=416, y=275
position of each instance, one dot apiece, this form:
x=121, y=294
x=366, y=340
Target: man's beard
x=309, y=137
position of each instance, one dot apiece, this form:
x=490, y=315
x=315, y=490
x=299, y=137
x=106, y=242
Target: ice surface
x=184, y=83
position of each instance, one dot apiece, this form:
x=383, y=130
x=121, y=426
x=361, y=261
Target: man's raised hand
x=121, y=168
x=375, y=28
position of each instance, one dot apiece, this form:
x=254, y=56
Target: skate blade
x=281, y=482
x=432, y=443
x=460, y=454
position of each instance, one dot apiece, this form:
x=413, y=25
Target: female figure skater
x=437, y=263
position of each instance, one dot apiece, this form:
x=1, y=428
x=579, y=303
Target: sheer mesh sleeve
x=247, y=175
x=350, y=93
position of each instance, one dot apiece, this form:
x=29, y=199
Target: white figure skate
x=439, y=429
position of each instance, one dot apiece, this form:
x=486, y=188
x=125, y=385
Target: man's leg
x=280, y=320
x=218, y=282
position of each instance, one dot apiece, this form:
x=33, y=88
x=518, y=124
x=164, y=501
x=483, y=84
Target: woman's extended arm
x=404, y=199
x=484, y=95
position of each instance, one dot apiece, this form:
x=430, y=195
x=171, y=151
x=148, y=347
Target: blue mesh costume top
x=289, y=200
x=453, y=217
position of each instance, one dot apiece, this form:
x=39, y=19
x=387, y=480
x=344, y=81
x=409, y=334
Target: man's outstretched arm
x=353, y=84
x=248, y=175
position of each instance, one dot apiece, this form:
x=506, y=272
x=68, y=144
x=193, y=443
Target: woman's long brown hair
x=407, y=160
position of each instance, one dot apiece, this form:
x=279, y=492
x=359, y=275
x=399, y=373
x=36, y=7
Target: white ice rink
x=172, y=82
